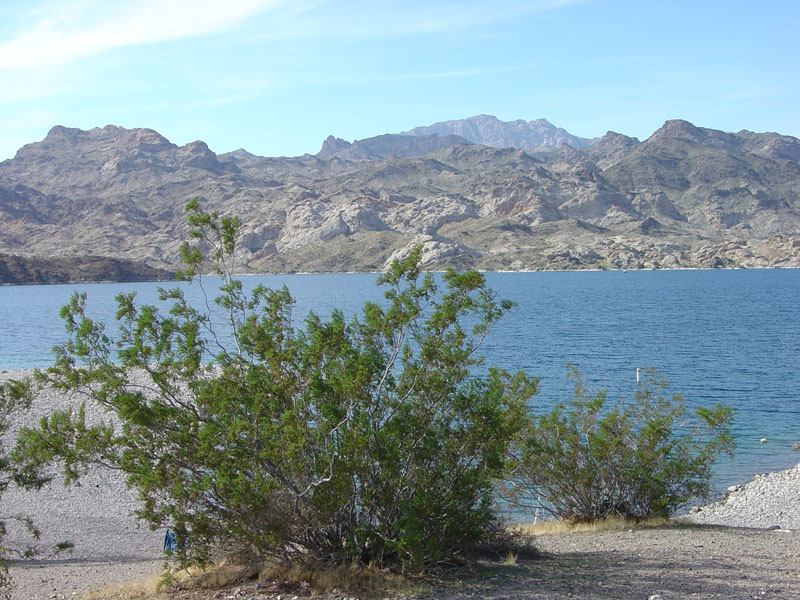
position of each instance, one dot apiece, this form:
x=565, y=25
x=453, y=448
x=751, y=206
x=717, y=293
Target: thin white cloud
x=34, y=117
x=372, y=77
x=216, y=101
x=25, y=86
x=457, y=74
x=63, y=32
x=361, y=20
x=78, y=30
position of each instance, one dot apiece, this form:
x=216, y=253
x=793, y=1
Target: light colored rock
x=769, y=500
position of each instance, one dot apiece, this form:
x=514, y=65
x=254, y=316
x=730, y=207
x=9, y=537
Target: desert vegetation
x=379, y=440
x=587, y=461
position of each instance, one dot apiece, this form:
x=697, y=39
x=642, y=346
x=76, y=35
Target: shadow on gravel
x=674, y=562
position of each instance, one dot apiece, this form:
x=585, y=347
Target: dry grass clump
x=351, y=577
x=510, y=559
x=273, y=577
x=229, y=570
x=146, y=589
x=507, y=547
x=505, y=550
x=557, y=526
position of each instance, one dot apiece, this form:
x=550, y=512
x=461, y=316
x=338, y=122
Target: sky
x=276, y=77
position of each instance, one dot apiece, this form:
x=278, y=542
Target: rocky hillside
x=685, y=197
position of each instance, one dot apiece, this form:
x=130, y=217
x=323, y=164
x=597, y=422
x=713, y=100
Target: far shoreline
x=376, y=273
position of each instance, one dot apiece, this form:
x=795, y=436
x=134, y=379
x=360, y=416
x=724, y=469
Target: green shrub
x=370, y=439
x=588, y=461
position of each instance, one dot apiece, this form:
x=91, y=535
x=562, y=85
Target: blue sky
x=276, y=77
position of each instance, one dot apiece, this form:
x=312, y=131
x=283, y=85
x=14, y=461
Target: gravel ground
x=110, y=545
x=698, y=559
x=701, y=563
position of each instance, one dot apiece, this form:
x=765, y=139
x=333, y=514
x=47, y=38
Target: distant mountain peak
x=678, y=128
x=386, y=146
x=618, y=138
x=61, y=134
x=491, y=131
x=333, y=145
x=118, y=150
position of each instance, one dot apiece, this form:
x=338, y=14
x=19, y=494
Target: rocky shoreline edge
x=111, y=546
x=768, y=501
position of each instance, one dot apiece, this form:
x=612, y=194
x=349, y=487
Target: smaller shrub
x=587, y=461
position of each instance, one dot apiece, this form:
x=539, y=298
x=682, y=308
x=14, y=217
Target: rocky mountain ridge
x=387, y=146
x=685, y=197
x=491, y=131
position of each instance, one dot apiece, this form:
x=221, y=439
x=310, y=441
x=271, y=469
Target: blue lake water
x=718, y=336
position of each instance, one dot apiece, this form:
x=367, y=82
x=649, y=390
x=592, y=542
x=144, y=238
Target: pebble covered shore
x=110, y=545
x=768, y=501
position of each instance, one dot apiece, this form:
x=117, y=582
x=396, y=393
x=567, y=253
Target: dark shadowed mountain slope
x=17, y=270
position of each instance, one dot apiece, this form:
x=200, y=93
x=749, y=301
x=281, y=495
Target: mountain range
x=478, y=192
x=491, y=131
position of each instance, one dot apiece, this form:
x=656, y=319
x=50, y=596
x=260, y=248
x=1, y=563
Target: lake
x=730, y=336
